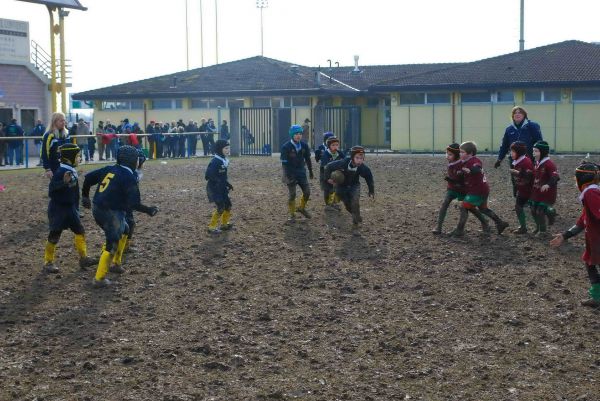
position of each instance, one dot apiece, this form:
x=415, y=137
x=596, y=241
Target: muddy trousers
x=350, y=197
x=450, y=196
x=303, y=184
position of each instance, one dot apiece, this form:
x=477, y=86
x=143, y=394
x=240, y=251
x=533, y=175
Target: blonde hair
x=518, y=108
x=55, y=117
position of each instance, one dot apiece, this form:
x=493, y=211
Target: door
x=256, y=131
x=282, y=120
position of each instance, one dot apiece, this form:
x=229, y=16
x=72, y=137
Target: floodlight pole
x=187, y=44
x=52, y=60
x=522, y=35
x=201, y=38
x=261, y=4
x=63, y=71
x=216, y=34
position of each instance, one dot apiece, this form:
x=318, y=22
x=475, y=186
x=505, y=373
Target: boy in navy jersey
x=117, y=192
x=218, y=187
x=330, y=154
x=295, y=158
x=63, y=191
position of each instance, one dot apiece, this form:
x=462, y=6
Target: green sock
x=522, y=218
x=594, y=292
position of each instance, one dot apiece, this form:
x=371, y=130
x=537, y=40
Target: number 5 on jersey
x=105, y=182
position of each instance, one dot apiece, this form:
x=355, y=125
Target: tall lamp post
x=201, y=38
x=216, y=34
x=261, y=4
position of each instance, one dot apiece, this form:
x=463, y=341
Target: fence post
x=26, y=154
x=433, y=129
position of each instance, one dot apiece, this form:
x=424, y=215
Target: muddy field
x=309, y=311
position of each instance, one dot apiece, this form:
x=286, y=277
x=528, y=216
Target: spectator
x=15, y=147
x=204, y=136
x=110, y=133
x=192, y=139
x=151, y=142
x=81, y=132
x=91, y=145
x=131, y=137
x=38, y=130
x=56, y=136
x=3, y=146
x=100, y=140
x=225, y=131
x=159, y=139
x=181, y=139
x=212, y=129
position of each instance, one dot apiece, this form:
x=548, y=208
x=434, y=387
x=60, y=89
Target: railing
x=43, y=62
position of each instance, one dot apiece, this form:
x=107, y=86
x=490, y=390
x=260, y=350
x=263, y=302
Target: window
x=235, y=103
x=346, y=101
x=436, y=98
x=586, y=95
x=372, y=101
x=475, y=97
x=412, y=98
x=115, y=105
x=137, y=105
x=301, y=101
x=220, y=102
x=287, y=101
x=536, y=95
x=199, y=103
x=161, y=104
x=261, y=102
x=179, y=103
x=505, y=96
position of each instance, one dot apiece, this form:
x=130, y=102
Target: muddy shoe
x=336, y=206
x=101, y=283
x=436, y=231
x=356, y=219
x=115, y=268
x=501, y=226
x=330, y=208
x=520, y=230
x=592, y=303
x=226, y=227
x=486, y=229
x=456, y=233
x=304, y=213
x=291, y=218
x=50, y=268
x=543, y=235
x=214, y=231
x=87, y=262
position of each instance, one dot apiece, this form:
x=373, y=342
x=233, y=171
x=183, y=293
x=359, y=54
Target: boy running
x=295, y=157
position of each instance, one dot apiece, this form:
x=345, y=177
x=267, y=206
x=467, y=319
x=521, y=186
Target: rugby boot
x=116, y=268
x=103, y=283
x=50, y=268
x=86, y=261
x=459, y=231
x=356, y=219
x=520, y=230
x=214, y=231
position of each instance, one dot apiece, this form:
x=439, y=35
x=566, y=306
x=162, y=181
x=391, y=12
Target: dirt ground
x=308, y=311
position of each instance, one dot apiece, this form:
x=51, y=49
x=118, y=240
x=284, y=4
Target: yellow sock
x=336, y=198
x=292, y=207
x=303, y=202
x=225, y=217
x=214, y=220
x=103, y=265
x=49, y=252
x=331, y=198
x=80, y=245
x=118, y=256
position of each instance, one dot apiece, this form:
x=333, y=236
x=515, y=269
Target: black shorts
x=64, y=216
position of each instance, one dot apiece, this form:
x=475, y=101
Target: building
x=408, y=108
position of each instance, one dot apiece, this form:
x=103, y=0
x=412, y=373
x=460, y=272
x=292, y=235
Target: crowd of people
x=172, y=140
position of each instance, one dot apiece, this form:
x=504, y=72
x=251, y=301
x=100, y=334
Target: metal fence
x=345, y=123
x=256, y=131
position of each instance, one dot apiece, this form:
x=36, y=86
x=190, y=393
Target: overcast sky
x=118, y=41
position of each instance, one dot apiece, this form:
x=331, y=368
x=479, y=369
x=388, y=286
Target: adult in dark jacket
x=38, y=130
x=56, y=136
x=224, y=131
x=192, y=140
x=295, y=158
x=521, y=129
x=15, y=147
x=348, y=191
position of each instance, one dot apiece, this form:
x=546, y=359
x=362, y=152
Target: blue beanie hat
x=295, y=129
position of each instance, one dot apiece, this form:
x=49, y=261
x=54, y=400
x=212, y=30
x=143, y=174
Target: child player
x=63, y=191
x=117, y=192
x=543, y=194
x=322, y=147
x=217, y=188
x=522, y=173
x=295, y=157
x=476, y=191
x=129, y=219
x=587, y=177
x=454, y=177
x=348, y=191
x=332, y=153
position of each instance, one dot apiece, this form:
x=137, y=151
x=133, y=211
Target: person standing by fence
x=38, y=130
x=100, y=140
x=15, y=147
x=81, y=140
x=3, y=146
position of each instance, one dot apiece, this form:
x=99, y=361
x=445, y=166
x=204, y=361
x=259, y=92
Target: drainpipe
x=453, y=116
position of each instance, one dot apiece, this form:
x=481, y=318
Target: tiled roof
x=570, y=63
x=565, y=63
x=255, y=74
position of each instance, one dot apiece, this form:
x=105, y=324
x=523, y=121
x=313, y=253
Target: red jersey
x=133, y=140
x=590, y=221
x=523, y=181
x=456, y=177
x=543, y=172
x=475, y=183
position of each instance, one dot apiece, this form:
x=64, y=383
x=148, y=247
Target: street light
x=261, y=4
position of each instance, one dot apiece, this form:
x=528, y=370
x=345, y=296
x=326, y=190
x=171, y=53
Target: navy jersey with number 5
x=117, y=188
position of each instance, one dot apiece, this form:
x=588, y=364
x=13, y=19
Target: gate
x=256, y=131
x=344, y=122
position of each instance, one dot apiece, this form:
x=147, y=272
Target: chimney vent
x=173, y=83
x=356, y=69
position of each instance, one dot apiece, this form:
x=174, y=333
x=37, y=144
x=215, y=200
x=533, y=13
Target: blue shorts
x=64, y=216
x=112, y=223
